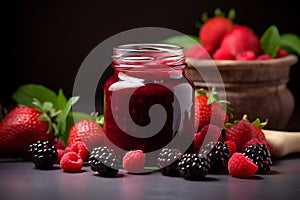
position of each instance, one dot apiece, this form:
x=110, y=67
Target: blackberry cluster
x=104, y=161
x=193, y=167
x=217, y=154
x=43, y=154
x=261, y=156
x=168, y=160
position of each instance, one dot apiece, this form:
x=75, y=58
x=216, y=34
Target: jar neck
x=149, y=56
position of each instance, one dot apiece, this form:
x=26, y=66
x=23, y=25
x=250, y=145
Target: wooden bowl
x=256, y=88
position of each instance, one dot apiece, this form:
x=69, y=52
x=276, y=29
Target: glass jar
x=148, y=100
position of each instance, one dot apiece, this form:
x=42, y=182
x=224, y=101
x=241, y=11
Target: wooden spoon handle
x=283, y=142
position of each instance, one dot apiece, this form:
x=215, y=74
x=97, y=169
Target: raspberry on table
x=134, y=161
x=60, y=153
x=168, y=160
x=80, y=148
x=43, y=154
x=240, y=166
x=71, y=162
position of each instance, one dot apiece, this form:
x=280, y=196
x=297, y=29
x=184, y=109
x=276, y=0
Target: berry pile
x=223, y=39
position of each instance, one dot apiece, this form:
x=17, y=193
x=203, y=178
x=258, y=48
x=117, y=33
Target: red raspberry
x=80, y=148
x=60, y=153
x=71, y=162
x=223, y=54
x=264, y=57
x=241, y=166
x=281, y=53
x=232, y=147
x=134, y=161
x=197, y=51
x=246, y=55
x=214, y=134
x=59, y=145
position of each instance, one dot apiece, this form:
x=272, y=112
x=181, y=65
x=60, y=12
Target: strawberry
x=212, y=32
x=241, y=39
x=87, y=131
x=244, y=133
x=22, y=127
x=209, y=109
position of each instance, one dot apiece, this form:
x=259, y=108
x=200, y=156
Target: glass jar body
x=147, y=104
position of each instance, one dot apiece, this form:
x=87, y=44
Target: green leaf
x=231, y=14
x=26, y=93
x=62, y=117
x=47, y=106
x=219, y=12
x=270, y=41
x=201, y=92
x=184, y=41
x=290, y=42
x=61, y=99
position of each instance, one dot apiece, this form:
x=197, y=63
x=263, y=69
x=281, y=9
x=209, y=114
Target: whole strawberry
x=212, y=32
x=244, y=133
x=87, y=131
x=240, y=39
x=22, y=127
x=209, y=109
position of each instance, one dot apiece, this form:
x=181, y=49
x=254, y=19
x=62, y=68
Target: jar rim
x=148, y=53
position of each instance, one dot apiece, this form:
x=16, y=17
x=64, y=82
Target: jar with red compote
x=148, y=101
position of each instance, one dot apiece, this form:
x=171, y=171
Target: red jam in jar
x=148, y=100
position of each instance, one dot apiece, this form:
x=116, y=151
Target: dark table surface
x=20, y=180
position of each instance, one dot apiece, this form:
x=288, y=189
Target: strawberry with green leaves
x=243, y=133
x=210, y=109
x=41, y=115
x=214, y=29
x=88, y=131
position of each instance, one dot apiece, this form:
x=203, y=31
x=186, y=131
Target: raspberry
x=197, y=51
x=264, y=57
x=232, y=147
x=246, y=55
x=223, y=54
x=71, y=162
x=59, y=145
x=80, y=148
x=240, y=166
x=134, y=161
x=281, y=53
x=60, y=153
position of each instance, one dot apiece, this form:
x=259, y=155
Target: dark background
x=46, y=41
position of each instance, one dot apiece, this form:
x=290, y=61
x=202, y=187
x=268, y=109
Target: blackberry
x=217, y=154
x=43, y=154
x=104, y=161
x=193, y=167
x=168, y=160
x=261, y=156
